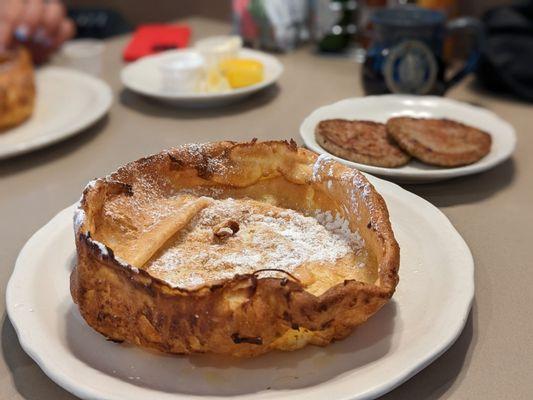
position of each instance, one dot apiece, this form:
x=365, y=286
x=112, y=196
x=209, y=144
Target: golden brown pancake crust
x=364, y=142
x=17, y=88
x=440, y=142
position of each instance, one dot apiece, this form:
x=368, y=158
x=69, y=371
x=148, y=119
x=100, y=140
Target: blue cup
x=405, y=54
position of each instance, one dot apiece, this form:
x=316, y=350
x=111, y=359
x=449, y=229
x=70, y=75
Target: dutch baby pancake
x=232, y=248
x=17, y=88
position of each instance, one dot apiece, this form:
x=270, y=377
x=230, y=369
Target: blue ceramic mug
x=405, y=54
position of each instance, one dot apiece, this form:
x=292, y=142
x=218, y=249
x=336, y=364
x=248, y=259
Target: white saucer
x=427, y=313
x=144, y=77
x=67, y=102
x=381, y=108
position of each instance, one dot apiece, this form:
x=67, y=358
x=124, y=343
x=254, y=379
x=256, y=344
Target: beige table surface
x=493, y=357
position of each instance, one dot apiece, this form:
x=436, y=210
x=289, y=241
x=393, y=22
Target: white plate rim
x=308, y=136
x=274, y=62
x=73, y=385
x=93, y=114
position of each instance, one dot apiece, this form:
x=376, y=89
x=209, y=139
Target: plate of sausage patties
x=410, y=139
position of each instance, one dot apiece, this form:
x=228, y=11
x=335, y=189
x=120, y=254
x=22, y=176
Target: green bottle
x=339, y=34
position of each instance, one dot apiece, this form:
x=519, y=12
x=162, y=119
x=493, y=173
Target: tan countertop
x=493, y=357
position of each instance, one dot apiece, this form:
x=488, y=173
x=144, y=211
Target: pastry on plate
x=364, y=142
x=17, y=87
x=232, y=248
x=440, y=142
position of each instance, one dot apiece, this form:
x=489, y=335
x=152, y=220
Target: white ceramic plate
x=144, y=77
x=67, y=102
x=424, y=318
x=381, y=108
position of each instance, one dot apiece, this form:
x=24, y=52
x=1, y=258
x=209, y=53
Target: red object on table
x=150, y=39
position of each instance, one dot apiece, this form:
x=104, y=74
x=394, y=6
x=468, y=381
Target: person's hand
x=41, y=25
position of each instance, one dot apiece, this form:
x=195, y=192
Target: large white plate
x=67, y=102
x=424, y=318
x=143, y=76
x=381, y=108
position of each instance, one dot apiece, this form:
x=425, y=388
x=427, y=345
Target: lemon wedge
x=241, y=72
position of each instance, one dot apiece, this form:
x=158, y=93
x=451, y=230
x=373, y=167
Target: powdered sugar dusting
x=359, y=189
x=216, y=165
x=125, y=264
x=320, y=166
x=79, y=213
x=101, y=247
x=103, y=251
x=337, y=225
x=90, y=184
x=268, y=237
x=79, y=218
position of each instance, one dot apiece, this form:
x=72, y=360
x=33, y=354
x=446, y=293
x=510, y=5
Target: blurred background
x=142, y=11
x=493, y=38
x=402, y=46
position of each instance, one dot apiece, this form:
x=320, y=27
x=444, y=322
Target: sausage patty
x=364, y=142
x=440, y=142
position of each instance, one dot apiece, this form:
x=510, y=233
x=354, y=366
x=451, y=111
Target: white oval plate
x=381, y=108
x=143, y=76
x=424, y=318
x=67, y=102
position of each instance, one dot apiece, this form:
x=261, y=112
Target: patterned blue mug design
x=406, y=52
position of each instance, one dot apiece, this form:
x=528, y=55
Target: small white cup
x=181, y=72
x=84, y=55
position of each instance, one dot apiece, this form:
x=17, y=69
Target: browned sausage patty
x=364, y=142
x=439, y=142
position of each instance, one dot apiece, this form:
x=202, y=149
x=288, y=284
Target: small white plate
x=67, y=102
x=427, y=313
x=144, y=77
x=381, y=108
